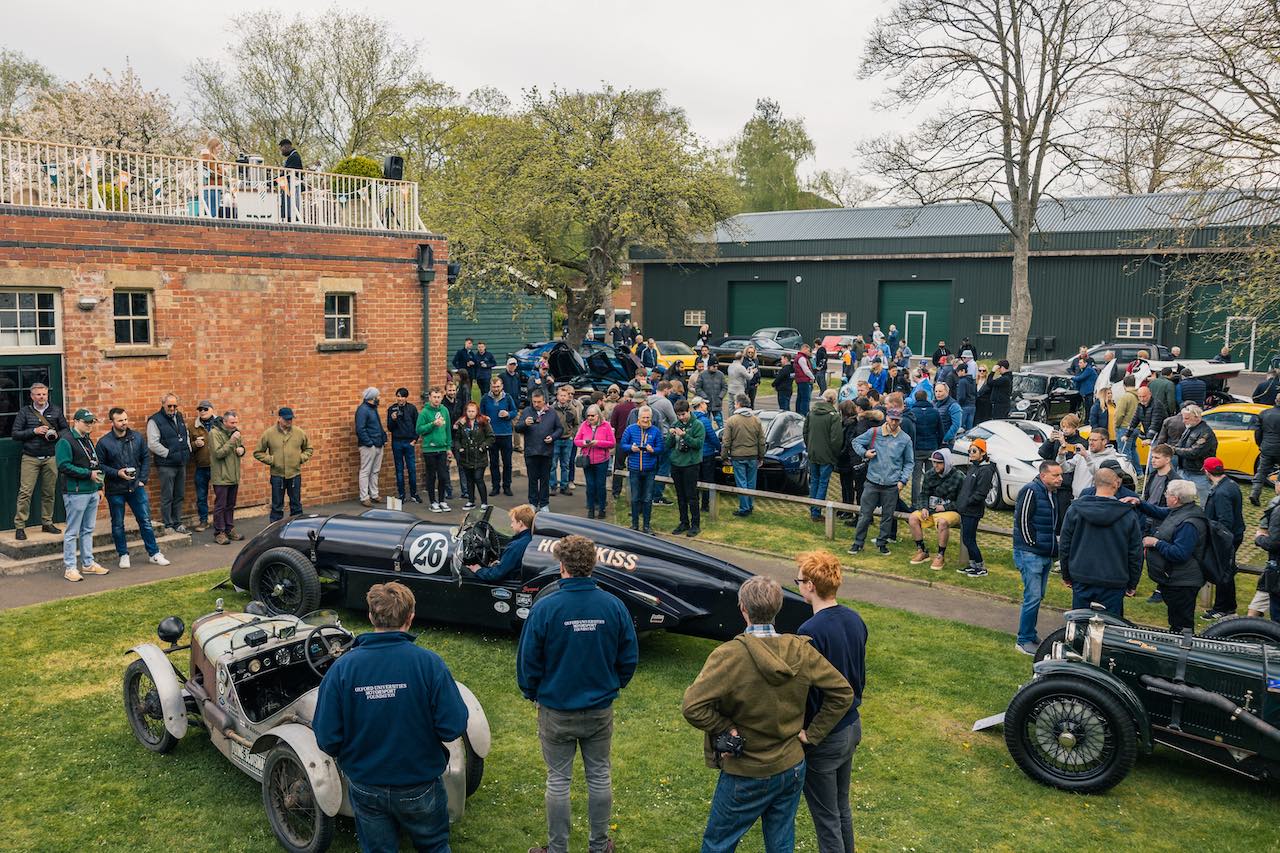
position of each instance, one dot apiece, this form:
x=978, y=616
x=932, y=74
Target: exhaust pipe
x=1215, y=700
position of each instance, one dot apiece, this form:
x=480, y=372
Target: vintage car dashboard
x=268, y=681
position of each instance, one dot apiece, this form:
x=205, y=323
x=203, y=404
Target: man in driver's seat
x=513, y=555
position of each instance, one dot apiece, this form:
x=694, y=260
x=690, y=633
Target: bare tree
x=1011, y=84
x=842, y=187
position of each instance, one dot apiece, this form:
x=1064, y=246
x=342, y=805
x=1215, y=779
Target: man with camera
x=226, y=450
x=540, y=426
x=81, y=479
x=578, y=649
x=37, y=427
x=122, y=452
x=751, y=699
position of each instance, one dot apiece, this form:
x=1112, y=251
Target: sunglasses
x=798, y=581
x=200, y=408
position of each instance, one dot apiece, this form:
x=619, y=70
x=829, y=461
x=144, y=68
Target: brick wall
x=238, y=317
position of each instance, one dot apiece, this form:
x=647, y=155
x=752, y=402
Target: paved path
x=205, y=555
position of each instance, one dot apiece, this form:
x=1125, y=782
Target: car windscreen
x=767, y=343
x=1029, y=383
x=674, y=348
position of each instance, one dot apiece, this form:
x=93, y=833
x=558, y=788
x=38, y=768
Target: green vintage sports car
x=1106, y=689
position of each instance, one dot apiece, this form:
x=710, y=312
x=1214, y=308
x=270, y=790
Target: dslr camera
x=729, y=744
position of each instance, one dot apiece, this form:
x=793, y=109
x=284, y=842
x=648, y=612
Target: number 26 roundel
x=429, y=552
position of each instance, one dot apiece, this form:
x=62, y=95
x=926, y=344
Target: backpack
x=1219, y=562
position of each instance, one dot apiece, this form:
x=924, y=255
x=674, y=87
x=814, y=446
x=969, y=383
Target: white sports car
x=1014, y=447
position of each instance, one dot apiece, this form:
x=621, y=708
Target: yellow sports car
x=1233, y=424
x=669, y=352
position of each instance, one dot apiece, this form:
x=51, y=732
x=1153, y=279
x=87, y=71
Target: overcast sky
x=712, y=58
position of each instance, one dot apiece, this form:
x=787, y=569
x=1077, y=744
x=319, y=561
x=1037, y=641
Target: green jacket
x=945, y=488
x=1126, y=408
x=759, y=686
x=688, y=449
x=435, y=439
x=285, y=452
x=823, y=433
x=743, y=437
x=224, y=462
x=472, y=445
x=76, y=479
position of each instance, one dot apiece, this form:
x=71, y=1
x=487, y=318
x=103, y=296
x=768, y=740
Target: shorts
x=952, y=519
x=1261, y=603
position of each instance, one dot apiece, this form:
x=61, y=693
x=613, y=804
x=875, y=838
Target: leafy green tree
x=766, y=159
x=558, y=193
x=21, y=81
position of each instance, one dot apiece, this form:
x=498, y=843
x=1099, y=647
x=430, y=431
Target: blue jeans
x=744, y=477
x=784, y=401
x=1200, y=481
x=422, y=811
x=1035, y=578
x=562, y=458
x=1127, y=443
x=82, y=512
x=1082, y=595
x=819, y=476
x=138, y=502
x=803, y=390
x=968, y=411
x=718, y=416
x=402, y=452
x=740, y=800
x=596, y=475
x=279, y=488
x=203, y=478
x=641, y=484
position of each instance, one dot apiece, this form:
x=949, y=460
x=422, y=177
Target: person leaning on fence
x=710, y=449
x=685, y=437
x=938, y=494
x=37, y=427
x=742, y=443
x=823, y=437
x=755, y=688
x=889, y=458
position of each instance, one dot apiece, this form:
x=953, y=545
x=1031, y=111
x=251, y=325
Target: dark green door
x=755, y=305
x=920, y=309
x=17, y=374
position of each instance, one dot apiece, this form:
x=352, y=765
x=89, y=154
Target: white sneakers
x=435, y=506
x=158, y=558
x=444, y=507
x=124, y=561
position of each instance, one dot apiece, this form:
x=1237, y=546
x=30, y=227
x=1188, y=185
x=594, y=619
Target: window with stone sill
x=339, y=316
x=131, y=312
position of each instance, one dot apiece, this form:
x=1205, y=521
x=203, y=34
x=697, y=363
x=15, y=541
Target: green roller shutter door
x=920, y=309
x=755, y=305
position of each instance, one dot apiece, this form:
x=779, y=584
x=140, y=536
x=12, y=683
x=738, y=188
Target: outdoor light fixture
x=799, y=279
x=87, y=303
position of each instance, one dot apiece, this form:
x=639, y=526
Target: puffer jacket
x=712, y=385
x=972, y=500
x=823, y=433
x=928, y=425
x=471, y=442
x=1037, y=518
x=25, y=423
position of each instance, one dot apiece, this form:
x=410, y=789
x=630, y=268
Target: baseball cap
x=1112, y=464
x=695, y=401
x=204, y=404
x=1213, y=465
x=512, y=361
x=980, y=443
x=937, y=456
x=894, y=414
x=84, y=415
x=286, y=413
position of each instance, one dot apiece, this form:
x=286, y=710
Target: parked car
x=768, y=351
x=252, y=684
x=1233, y=425
x=603, y=367
x=601, y=324
x=786, y=337
x=669, y=352
x=1126, y=351
x=1014, y=447
x=292, y=565
x=786, y=461
x=1044, y=397
x=1108, y=689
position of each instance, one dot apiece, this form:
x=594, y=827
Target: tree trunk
x=1019, y=298
x=577, y=310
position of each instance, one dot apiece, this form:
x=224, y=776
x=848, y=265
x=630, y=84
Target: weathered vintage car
x=1107, y=689
x=252, y=685
x=294, y=563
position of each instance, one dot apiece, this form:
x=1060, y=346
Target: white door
x=916, y=331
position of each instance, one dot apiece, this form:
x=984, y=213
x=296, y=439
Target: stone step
x=39, y=543
x=104, y=551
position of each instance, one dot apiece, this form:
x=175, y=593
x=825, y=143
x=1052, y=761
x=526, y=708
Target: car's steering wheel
x=479, y=543
x=336, y=643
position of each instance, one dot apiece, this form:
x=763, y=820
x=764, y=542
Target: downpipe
x=1214, y=700
x=426, y=275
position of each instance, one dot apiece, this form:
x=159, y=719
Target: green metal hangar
x=1099, y=270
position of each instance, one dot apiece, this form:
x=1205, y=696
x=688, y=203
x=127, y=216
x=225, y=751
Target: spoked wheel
x=142, y=707
x=296, y=818
x=1070, y=734
x=1244, y=629
x=285, y=582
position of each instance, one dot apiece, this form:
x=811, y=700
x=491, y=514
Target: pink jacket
x=605, y=441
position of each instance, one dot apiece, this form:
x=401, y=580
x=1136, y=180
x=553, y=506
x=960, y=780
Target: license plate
x=728, y=469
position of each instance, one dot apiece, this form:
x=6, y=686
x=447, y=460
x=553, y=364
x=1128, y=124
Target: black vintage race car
x=295, y=563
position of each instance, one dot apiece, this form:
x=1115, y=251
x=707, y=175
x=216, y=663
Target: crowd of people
x=779, y=712
x=120, y=463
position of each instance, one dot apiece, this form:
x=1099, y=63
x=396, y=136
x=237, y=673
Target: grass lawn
x=74, y=778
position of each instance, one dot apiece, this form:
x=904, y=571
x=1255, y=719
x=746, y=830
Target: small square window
x=833, y=321
x=132, y=317
x=1136, y=327
x=993, y=324
x=695, y=317
x=339, y=316
x=28, y=319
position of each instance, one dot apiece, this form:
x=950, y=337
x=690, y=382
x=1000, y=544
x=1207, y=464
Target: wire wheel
x=143, y=709
x=296, y=818
x=1070, y=734
x=285, y=582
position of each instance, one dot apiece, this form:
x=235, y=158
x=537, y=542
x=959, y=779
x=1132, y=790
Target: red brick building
x=116, y=309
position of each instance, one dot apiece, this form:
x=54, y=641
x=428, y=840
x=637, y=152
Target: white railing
x=75, y=177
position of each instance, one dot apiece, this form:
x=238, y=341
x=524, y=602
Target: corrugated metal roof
x=1072, y=215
